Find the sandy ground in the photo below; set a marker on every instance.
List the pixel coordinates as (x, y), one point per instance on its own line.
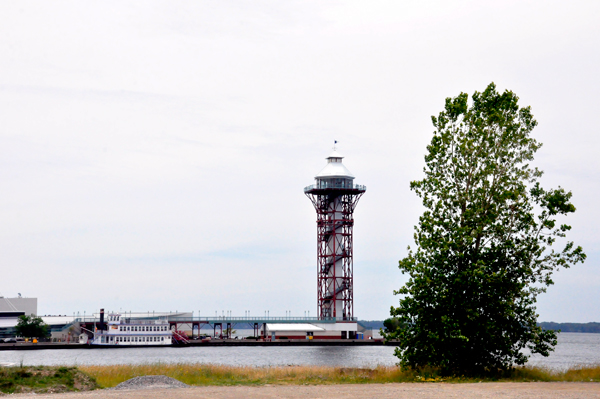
(396, 391)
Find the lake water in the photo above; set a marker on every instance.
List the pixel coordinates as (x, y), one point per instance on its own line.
(572, 349)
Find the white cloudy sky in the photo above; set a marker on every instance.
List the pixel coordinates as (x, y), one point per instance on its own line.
(153, 154)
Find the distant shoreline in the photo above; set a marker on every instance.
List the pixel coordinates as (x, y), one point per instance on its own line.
(592, 327)
(572, 327)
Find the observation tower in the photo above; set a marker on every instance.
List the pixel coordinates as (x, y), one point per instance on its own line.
(334, 196)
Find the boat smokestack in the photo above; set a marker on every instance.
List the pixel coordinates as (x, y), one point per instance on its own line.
(102, 319)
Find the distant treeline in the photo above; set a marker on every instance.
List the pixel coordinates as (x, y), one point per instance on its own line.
(571, 327)
(564, 327)
(374, 324)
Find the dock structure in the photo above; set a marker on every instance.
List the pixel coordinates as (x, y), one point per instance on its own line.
(262, 326)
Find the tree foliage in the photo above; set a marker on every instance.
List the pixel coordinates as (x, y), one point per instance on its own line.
(32, 327)
(392, 324)
(483, 244)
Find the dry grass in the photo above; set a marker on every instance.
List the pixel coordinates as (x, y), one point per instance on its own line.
(203, 374)
(582, 374)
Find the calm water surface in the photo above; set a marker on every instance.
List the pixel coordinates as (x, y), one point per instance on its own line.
(572, 349)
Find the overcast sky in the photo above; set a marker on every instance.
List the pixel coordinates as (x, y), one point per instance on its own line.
(153, 154)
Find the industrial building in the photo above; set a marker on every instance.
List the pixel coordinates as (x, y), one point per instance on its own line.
(11, 309)
(27, 306)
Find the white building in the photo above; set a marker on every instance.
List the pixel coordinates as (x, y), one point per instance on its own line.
(26, 305)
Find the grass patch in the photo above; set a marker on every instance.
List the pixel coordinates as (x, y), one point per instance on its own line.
(43, 379)
(206, 374)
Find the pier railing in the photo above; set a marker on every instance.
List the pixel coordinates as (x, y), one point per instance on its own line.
(263, 319)
(230, 319)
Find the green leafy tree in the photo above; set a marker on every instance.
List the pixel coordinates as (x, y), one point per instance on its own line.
(32, 327)
(391, 324)
(484, 242)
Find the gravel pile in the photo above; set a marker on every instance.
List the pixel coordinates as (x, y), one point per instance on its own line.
(151, 381)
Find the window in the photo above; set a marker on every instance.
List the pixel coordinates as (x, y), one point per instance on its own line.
(128, 328)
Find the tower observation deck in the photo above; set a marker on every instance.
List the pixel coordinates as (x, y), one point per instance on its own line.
(334, 196)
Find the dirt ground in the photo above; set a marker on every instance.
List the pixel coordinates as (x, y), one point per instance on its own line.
(396, 391)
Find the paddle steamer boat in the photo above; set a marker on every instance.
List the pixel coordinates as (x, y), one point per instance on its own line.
(122, 330)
